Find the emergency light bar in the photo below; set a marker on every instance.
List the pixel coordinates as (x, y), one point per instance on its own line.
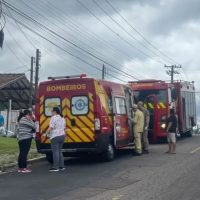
(147, 81)
(65, 77)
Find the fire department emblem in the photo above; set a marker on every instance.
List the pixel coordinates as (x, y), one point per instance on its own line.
(80, 104)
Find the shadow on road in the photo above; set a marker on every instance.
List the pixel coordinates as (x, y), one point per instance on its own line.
(97, 159)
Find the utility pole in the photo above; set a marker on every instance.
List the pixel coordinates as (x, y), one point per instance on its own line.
(172, 71)
(37, 64)
(103, 72)
(31, 83)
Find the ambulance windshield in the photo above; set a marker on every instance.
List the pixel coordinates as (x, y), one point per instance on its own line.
(143, 94)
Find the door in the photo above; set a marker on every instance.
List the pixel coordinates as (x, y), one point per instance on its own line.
(121, 131)
(151, 104)
(129, 105)
(79, 114)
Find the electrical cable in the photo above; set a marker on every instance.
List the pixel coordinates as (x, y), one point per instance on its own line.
(139, 33)
(122, 28)
(75, 56)
(117, 34)
(61, 37)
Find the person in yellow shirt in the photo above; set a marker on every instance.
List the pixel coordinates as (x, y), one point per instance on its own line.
(138, 128)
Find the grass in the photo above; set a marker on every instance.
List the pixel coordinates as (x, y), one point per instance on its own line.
(8, 145)
(9, 151)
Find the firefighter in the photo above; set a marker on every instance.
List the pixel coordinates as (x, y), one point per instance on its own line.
(138, 127)
(145, 141)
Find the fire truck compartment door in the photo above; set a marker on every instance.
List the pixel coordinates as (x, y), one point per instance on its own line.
(121, 135)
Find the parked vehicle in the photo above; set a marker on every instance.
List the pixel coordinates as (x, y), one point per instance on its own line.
(96, 113)
(158, 97)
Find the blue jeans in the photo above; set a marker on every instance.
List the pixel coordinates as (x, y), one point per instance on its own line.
(56, 147)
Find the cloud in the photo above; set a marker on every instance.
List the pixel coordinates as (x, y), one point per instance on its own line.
(171, 26)
(171, 14)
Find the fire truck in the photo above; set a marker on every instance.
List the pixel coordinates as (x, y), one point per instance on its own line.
(158, 97)
(97, 114)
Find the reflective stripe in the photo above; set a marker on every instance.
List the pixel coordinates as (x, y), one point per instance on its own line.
(162, 105)
(151, 105)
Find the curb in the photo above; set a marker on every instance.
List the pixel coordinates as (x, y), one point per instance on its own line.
(12, 165)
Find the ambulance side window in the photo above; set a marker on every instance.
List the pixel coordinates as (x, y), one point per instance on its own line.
(79, 105)
(120, 105)
(110, 104)
(49, 103)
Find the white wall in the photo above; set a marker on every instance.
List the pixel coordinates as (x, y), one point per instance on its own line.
(13, 119)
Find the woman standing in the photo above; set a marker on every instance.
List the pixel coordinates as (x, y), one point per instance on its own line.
(26, 128)
(57, 132)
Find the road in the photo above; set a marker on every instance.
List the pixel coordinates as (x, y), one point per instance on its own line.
(156, 176)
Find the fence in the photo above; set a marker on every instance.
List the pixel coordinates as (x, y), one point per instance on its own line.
(13, 119)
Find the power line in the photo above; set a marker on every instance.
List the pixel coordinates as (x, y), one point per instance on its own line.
(94, 50)
(13, 52)
(92, 35)
(61, 37)
(117, 34)
(75, 56)
(17, 43)
(34, 29)
(122, 28)
(139, 33)
(31, 43)
(15, 69)
(77, 26)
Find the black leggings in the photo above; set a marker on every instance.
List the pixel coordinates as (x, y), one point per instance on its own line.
(24, 147)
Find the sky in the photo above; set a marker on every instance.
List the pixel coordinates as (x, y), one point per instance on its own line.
(137, 37)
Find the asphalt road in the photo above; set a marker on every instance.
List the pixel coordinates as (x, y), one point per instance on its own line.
(154, 176)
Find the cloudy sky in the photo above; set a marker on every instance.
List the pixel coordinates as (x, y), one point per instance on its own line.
(137, 37)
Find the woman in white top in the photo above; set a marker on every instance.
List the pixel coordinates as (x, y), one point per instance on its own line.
(57, 131)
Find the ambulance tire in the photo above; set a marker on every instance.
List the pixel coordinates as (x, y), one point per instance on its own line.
(49, 157)
(109, 153)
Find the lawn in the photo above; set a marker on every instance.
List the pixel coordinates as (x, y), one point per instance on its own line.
(8, 145)
(9, 151)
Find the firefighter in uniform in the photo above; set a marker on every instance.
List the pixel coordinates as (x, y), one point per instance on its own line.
(145, 141)
(138, 127)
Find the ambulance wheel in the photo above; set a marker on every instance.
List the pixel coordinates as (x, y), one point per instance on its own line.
(109, 153)
(49, 157)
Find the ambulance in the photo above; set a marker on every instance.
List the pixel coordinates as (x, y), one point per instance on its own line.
(97, 114)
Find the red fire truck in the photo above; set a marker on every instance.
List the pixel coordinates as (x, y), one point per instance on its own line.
(96, 114)
(158, 97)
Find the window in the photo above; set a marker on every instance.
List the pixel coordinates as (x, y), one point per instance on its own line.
(143, 94)
(79, 105)
(49, 104)
(110, 105)
(120, 106)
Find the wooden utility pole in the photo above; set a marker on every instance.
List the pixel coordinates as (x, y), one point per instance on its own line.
(31, 82)
(172, 71)
(103, 72)
(37, 65)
